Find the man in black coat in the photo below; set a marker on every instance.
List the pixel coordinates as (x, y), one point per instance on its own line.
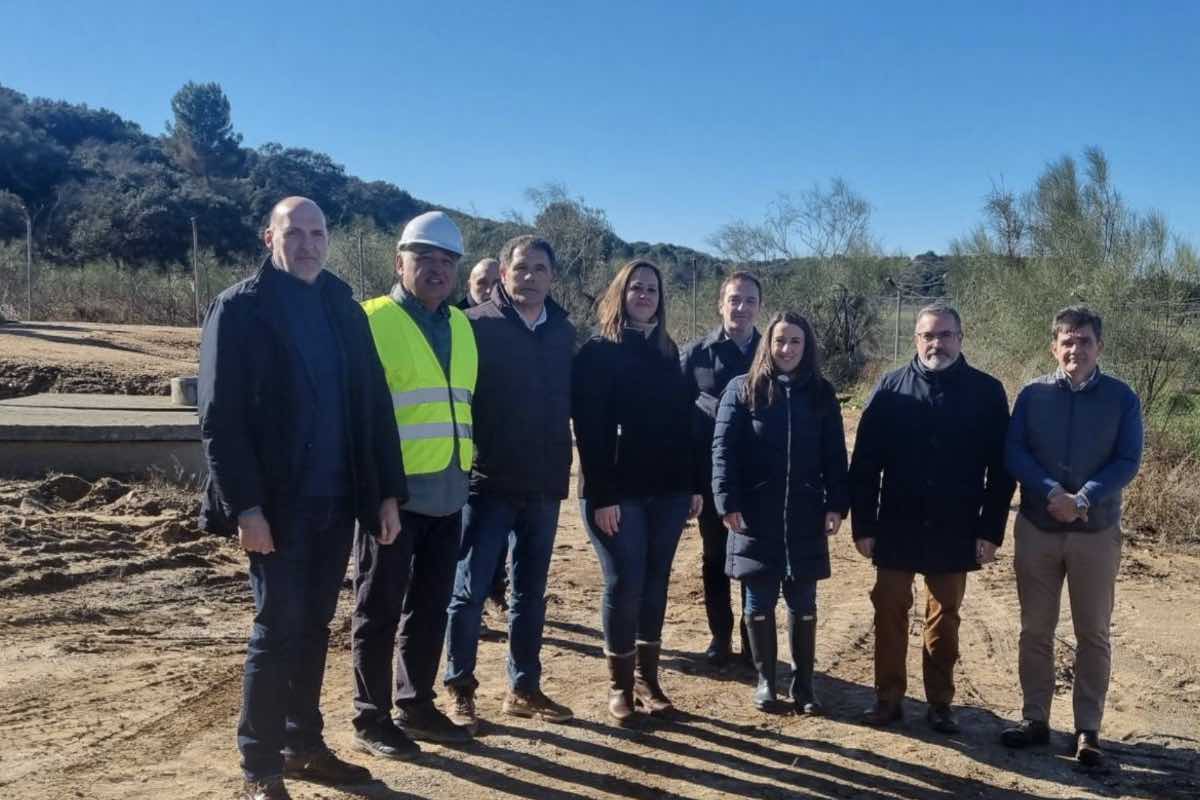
(929, 495)
(709, 364)
(296, 422)
(521, 417)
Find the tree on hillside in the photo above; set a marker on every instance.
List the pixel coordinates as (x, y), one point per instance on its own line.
(824, 223)
(201, 138)
(583, 243)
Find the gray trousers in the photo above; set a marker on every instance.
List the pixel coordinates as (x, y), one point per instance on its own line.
(1088, 562)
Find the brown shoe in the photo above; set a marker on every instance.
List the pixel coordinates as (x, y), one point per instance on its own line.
(535, 704)
(620, 689)
(272, 789)
(883, 714)
(462, 708)
(323, 766)
(941, 718)
(647, 692)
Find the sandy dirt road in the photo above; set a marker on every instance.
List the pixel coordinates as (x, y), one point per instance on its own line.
(123, 633)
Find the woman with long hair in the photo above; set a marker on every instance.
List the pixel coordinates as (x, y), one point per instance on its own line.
(638, 482)
(780, 485)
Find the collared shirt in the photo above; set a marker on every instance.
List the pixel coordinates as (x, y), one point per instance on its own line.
(1060, 375)
(746, 348)
(434, 324)
(533, 325)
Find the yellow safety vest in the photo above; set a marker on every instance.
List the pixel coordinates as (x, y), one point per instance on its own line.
(430, 412)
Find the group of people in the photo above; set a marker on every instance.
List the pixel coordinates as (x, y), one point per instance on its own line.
(432, 444)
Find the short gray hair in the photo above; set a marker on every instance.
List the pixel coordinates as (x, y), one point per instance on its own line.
(940, 310)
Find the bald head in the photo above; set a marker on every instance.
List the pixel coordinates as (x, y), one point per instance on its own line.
(484, 276)
(297, 238)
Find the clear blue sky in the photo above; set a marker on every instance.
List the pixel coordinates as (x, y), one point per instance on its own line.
(674, 117)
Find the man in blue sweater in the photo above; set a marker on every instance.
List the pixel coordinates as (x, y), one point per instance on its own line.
(1075, 441)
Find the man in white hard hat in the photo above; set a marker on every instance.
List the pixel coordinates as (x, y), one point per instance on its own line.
(484, 275)
(403, 589)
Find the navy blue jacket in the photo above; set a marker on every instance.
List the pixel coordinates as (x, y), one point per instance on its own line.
(783, 466)
(927, 478)
(1087, 441)
(522, 408)
(257, 410)
(709, 364)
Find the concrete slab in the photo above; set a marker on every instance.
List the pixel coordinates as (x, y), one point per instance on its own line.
(94, 435)
(96, 418)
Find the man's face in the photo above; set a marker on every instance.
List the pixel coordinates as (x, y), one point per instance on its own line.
(739, 307)
(483, 277)
(787, 346)
(527, 279)
(427, 273)
(298, 240)
(938, 340)
(1077, 351)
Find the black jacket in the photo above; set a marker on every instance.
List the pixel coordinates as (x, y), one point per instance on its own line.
(782, 466)
(937, 440)
(632, 422)
(522, 406)
(709, 364)
(255, 407)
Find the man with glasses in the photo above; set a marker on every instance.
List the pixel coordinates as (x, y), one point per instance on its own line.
(929, 495)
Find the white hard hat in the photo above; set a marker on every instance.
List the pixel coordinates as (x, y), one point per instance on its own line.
(432, 228)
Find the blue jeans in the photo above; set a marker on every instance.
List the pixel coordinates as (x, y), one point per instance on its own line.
(295, 594)
(636, 563)
(491, 525)
(763, 593)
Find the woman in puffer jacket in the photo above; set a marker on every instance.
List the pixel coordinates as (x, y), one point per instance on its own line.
(780, 485)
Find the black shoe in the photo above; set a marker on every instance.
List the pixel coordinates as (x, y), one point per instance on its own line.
(941, 718)
(323, 766)
(386, 741)
(883, 714)
(1026, 733)
(425, 722)
(1087, 749)
(272, 789)
(718, 652)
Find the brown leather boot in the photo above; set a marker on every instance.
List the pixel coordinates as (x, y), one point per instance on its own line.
(620, 690)
(647, 693)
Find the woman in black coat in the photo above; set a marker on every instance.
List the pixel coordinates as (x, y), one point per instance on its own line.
(779, 482)
(639, 484)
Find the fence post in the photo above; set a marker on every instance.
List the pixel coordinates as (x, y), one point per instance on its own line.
(896, 339)
(195, 272)
(28, 267)
(694, 295)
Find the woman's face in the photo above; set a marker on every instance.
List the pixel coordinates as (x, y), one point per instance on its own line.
(641, 295)
(787, 346)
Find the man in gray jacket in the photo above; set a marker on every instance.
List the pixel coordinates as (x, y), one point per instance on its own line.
(1075, 441)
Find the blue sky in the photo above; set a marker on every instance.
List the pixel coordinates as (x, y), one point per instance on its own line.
(673, 117)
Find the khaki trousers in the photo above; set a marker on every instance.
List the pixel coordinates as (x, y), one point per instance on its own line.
(1089, 562)
(892, 597)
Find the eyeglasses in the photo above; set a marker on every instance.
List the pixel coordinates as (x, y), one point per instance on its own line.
(941, 336)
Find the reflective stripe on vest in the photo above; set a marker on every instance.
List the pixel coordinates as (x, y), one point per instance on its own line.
(431, 413)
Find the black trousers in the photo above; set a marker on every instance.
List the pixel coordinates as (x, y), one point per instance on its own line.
(717, 600)
(401, 591)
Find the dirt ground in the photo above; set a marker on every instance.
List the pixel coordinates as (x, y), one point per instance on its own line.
(91, 357)
(124, 630)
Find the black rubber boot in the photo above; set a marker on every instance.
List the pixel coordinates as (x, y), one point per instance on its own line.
(802, 640)
(764, 649)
